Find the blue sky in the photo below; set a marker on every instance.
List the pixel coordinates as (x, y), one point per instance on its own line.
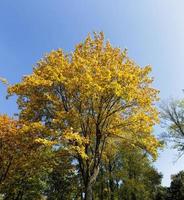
(152, 30)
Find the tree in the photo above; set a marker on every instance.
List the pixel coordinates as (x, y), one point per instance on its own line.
(63, 181)
(22, 159)
(161, 193)
(9, 146)
(129, 174)
(172, 114)
(139, 178)
(176, 190)
(87, 98)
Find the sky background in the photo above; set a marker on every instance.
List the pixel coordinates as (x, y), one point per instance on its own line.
(151, 30)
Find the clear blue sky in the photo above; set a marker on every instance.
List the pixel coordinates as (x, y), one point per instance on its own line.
(152, 30)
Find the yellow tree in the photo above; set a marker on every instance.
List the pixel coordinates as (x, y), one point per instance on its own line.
(88, 98)
(8, 145)
(20, 153)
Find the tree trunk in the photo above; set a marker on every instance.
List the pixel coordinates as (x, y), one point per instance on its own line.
(89, 183)
(111, 181)
(111, 185)
(102, 192)
(88, 192)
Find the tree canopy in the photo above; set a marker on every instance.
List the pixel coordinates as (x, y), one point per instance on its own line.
(83, 106)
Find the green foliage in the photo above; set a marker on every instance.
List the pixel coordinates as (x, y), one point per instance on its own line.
(128, 175)
(176, 191)
(161, 193)
(62, 182)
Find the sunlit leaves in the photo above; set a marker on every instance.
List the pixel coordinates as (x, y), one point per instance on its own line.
(87, 103)
(96, 84)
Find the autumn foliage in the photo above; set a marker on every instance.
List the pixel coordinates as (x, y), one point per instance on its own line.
(88, 103)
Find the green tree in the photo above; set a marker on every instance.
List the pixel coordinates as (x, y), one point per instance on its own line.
(176, 190)
(161, 193)
(128, 175)
(63, 181)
